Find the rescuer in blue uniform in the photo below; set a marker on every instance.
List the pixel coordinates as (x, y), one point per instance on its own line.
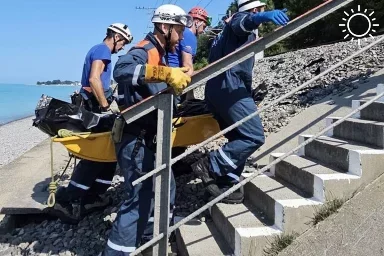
(91, 179)
(140, 73)
(186, 50)
(229, 98)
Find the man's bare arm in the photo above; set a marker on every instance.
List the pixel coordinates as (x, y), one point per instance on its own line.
(188, 62)
(96, 84)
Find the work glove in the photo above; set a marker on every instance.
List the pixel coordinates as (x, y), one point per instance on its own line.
(114, 108)
(276, 16)
(174, 77)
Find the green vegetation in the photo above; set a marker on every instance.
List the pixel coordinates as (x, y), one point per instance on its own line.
(57, 82)
(280, 243)
(327, 209)
(324, 31)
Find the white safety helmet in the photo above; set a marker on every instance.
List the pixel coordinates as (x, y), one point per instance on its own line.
(245, 5)
(123, 30)
(172, 14)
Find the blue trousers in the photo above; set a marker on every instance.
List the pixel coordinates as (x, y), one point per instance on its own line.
(229, 104)
(134, 221)
(90, 178)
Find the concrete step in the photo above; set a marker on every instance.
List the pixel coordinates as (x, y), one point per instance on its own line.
(197, 238)
(244, 228)
(364, 131)
(373, 112)
(319, 181)
(282, 203)
(345, 155)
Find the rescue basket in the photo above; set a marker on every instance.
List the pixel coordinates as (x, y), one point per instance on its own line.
(100, 147)
(87, 135)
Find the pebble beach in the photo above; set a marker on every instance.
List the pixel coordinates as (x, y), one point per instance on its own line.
(16, 138)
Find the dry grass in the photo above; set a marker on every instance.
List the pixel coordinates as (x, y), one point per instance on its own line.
(326, 210)
(279, 244)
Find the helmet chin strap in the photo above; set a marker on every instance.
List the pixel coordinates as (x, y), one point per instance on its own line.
(197, 28)
(114, 45)
(114, 50)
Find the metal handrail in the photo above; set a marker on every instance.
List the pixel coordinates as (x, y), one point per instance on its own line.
(219, 67)
(249, 50)
(265, 107)
(254, 175)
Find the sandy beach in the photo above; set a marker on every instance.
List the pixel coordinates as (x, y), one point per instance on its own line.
(18, 137)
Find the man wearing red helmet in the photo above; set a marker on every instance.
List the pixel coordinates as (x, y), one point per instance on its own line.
(187, 48)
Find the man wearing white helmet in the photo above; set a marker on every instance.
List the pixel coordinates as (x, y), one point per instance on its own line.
(97, 68)
(91, 179)
(222, 168)
(140, 73)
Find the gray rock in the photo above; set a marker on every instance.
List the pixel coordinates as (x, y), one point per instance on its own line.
(72, 243)
(80, 231)
(57, 241)
(16, 241)
(69, 233)
(35, 246)
(23, 246)
(53, 236)
(8, 251)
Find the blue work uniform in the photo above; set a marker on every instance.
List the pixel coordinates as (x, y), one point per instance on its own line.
(229, 98)
(188, 45)
(91, 178)
(136, 156)
(98, 52)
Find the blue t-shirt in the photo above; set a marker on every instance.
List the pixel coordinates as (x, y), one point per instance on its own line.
(98, 52)
(188, 45)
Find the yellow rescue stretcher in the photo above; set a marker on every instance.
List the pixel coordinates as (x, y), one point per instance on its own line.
(99, 147)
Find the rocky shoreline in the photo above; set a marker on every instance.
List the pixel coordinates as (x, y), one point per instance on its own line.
(276, 75)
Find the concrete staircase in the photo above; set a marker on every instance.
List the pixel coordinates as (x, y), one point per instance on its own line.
(285, 199)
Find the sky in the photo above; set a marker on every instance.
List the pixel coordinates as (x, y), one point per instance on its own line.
(44, 40)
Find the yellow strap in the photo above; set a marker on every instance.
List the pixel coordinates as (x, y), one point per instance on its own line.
(53, 184)
(64, 133)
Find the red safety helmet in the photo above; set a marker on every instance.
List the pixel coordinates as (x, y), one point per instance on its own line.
(201, 14)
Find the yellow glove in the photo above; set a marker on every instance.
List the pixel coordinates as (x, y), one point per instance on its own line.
(174, 77)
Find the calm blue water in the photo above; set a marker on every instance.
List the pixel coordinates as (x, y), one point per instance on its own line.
(19, 101)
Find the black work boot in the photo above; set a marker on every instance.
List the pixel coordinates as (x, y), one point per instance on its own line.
(236, 197)
(93, 203)
(202, 169)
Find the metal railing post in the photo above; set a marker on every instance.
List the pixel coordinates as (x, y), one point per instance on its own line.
(163, 178)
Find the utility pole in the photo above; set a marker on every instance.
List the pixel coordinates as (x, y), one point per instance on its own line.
(145, 8)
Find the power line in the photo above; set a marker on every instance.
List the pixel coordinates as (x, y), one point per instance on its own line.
(199, 2)
(208, 4)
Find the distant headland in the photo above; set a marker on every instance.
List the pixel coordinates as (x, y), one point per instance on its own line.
(59, 82)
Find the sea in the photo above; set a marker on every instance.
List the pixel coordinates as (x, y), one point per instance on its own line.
(18, 101)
